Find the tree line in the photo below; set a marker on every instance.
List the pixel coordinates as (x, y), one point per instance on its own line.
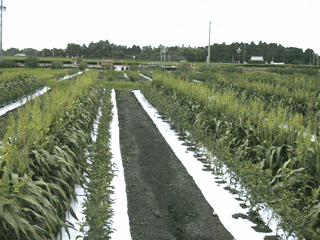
(218, 52)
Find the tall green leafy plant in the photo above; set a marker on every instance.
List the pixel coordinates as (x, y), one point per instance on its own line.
(42, 157)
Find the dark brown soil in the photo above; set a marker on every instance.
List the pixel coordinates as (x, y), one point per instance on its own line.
(163, 200)
(120, 77)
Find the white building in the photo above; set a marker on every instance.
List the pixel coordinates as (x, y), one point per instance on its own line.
(20, 55)
(256, 58)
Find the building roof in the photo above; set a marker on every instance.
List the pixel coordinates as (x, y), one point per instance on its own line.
(20, 55)
(256, 58)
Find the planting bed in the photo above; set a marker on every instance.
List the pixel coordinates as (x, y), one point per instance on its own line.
(163, 200)
(168, 194)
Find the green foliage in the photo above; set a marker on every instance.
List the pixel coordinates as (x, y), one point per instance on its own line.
(288, 71)
(256, 62)
(134, 76)
(298, 93)
(146, 72)
(271, 152)
(83, 65)
(57, 65)
(108, 67)
(308, 71)
(15, 87)
(232, 70)
(31, 62)
(134, 67)
(109, 75)
(185, 67)
(42, 158)
(100, 171)
(8, 64)
(220, 53)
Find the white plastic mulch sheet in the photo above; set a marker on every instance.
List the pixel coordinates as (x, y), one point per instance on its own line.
(223, 202)
(70, 76)
(120, 219)
(145, 76)
(78, 210)
(22, 101)
(120, 208)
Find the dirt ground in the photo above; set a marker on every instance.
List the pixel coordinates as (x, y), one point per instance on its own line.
(163, 200)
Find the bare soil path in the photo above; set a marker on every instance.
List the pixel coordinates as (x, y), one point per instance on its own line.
(163, 200)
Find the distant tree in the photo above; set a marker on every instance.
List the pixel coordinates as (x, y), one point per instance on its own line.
(293, 53)
(11, 52)
(84, 51)
(45, 53)
(30, 51)
(146, 53)
(136, 50)
(58, 52)
(308, 56)
(73, 50)
(189, 54)
(219, 52)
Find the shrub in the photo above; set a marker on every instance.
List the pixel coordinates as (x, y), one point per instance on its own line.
(204, 68)
(108, 67)
(57, 65)
(185, 67)
(308, 71)
(288, 71)
(8, 64)
(232, 70)
(31, 62)
(134, 67)
(83, 65)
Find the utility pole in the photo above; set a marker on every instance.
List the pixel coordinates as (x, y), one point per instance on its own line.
(244, 53)
(2, 8)
(313, 59)
(208, 60)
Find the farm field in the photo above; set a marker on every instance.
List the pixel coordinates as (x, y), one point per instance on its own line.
(261, 128)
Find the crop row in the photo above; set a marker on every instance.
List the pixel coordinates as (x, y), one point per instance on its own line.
(271, 151)
(300, 100)
(42, 158)
(299, 94)
(100, 171)
(38, 73)
(15, 87)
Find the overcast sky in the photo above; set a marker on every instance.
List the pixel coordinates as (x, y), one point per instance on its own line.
(46, 24)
